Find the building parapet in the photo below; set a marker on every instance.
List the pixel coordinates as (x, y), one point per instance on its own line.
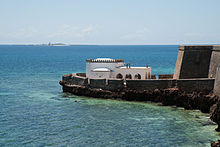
(197, 61)
(199, 47)
(105, 60)
(81, 74)
(167, 76)
(187, 85)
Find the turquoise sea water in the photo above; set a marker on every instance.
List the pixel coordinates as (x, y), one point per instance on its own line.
(35, 112)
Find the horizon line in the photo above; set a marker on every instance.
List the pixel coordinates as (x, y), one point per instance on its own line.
(70, 44)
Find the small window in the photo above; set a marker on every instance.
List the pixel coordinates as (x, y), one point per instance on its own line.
(128, 76)
(137, 76)
(119, 76)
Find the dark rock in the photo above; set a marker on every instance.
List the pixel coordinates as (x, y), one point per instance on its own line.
(197, 116)
(215, 114)
(215, 144)
(172, 97)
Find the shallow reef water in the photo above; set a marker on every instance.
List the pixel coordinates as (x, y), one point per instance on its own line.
(35, 112)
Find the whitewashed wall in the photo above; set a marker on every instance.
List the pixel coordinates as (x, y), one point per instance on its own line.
(114, 69)
(93, 65)
(144, 72)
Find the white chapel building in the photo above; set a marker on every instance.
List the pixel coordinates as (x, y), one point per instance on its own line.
(107, 68)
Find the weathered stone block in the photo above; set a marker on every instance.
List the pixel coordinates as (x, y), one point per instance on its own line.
(215, 61)
(150, 84)
(196, 85)
(114, 84)
(196, 61)
(73, 79)
(217, 83)
(97, 83)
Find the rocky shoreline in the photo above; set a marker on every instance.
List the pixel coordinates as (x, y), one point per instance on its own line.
(204, 101)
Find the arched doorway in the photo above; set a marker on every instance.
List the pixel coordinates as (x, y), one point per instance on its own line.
(128, 76)
(119, 76)
(137, 76)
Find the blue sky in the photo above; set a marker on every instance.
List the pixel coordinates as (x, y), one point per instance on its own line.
(110, 21)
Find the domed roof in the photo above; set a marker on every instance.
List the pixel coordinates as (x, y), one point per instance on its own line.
(104, 60)
(101, 70)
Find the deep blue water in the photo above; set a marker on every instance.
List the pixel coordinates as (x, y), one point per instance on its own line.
(35, 112)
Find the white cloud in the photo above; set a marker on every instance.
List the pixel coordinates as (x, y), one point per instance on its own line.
(24, 33)
(139, 34)
(64, 32)
(194, 34)
(72, 31)
(88, 30)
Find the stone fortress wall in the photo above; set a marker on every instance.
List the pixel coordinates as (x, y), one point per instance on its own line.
(199, 61)
(217, 83)
(188, 85)
(193, 62)
(196, 70)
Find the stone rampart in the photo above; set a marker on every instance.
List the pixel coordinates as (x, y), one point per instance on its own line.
(67, 77)
(215, 61)
(196, 85)
(167, 76)
(197, 61)
(97, 83)
(107, 84)
(114, 84)
(81, 74)
(217, 83)
(73, 79)
(186, 85)
(179, 62)
(150, 84)
(193, 62)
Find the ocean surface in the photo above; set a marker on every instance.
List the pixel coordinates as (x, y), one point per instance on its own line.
(35, 112)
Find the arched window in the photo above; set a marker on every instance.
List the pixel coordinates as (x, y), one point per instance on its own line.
(137, 76)
(119, 76)
(128, 76)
